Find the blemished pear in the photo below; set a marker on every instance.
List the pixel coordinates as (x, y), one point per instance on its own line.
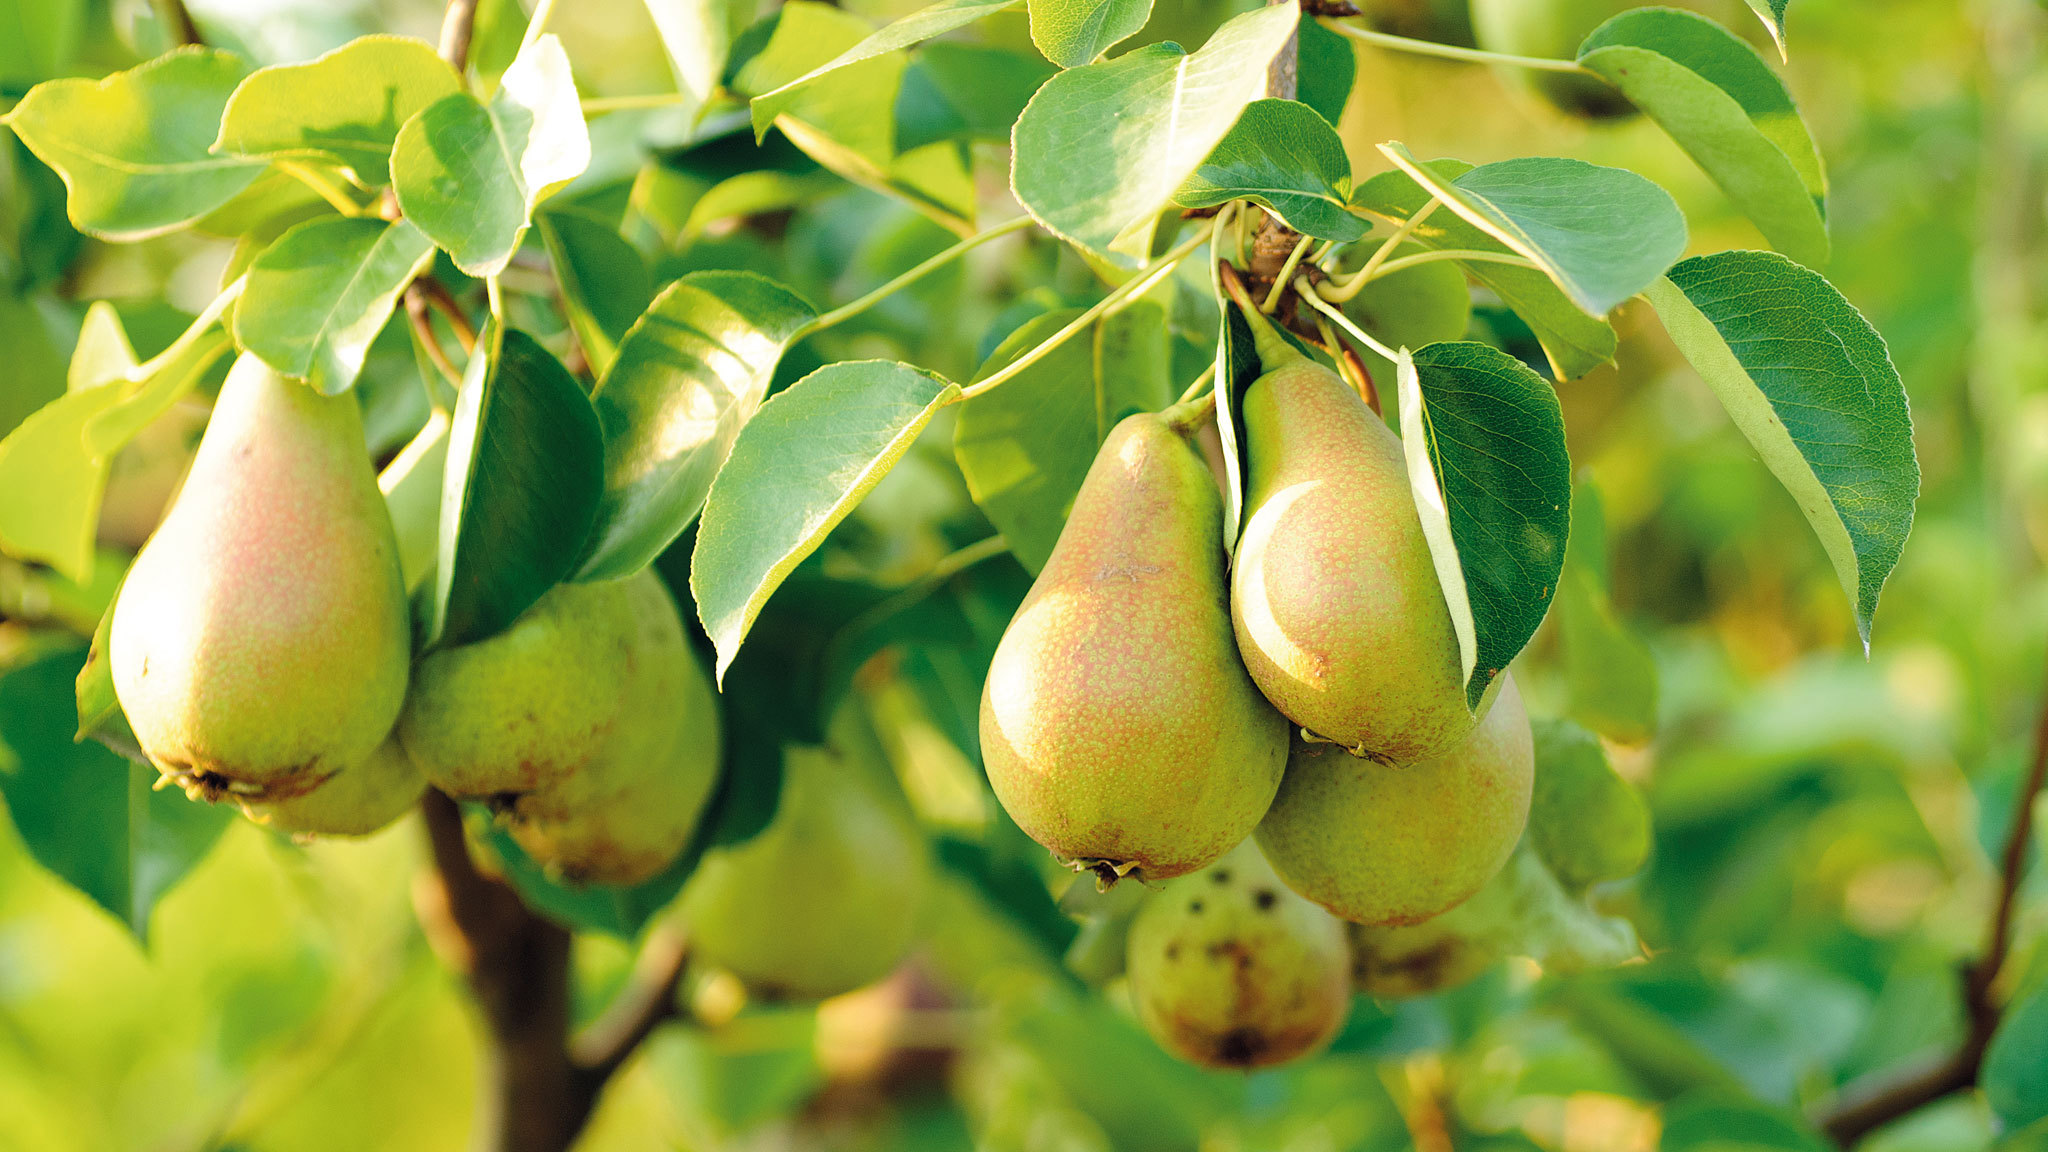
(261, 641)
(624, 815)
(356, 801)
(1385, 844)
(1229, 969)
(1118, 725)
(827, 897)
(1336, 604)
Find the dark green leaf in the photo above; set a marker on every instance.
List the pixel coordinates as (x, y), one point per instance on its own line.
(923, 24)
(2016, 1066)
(1284, 156)
(605, 282)
(1327, 69)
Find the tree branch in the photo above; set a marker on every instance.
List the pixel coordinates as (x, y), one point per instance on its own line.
(458, 25)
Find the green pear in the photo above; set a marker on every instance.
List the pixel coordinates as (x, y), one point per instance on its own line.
(1396, 844)
(827, 897)
(1118, 725)
(261, 640)
(1336, 603)
(1553, 29)
(355, 801)
(1229, 969)
(625, 814)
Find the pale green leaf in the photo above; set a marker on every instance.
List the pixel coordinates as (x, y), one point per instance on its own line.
(923, 24)
(345, 107)
(1074, 32)
(318, 296)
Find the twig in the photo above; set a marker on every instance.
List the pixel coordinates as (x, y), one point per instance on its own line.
(648, 1001)
(423, 327)
(444, 302)
(458, 25)
(178, 21)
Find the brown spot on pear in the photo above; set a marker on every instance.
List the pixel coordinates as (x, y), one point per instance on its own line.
(1118, 725)
(1229, 969)
(261, 641)
(1386, 844)
(355, 801)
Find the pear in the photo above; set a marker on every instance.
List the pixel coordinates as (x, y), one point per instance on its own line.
(355, 801)
(1553, 29)
(1118, 725)
(1229, 969)
(1334, 597)
(827, 897)
(1390, 844)
(625, 814)
(261, 640)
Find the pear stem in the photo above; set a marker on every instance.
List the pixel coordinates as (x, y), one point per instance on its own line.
(1184, 416)
(1451, 51)
(1202, 381)
(1308, 293)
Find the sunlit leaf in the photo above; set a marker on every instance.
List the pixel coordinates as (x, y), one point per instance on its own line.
(345, 107)
(319, 296)
(1074, 32)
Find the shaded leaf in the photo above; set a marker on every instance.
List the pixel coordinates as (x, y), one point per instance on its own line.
(604, 280)
(1283, 156)
(345, 107)
(1328, 67)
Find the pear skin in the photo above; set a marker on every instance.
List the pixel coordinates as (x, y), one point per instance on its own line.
(1335, 601)
(356, 801)
(1384, 844)
(261, 642)
(1118, 726)
(1229, 969)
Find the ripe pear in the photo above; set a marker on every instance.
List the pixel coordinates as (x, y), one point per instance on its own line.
(355, 801)
(827, 897)
(622, 816)
(1396, 844)
(1118, 725)
(1336, 603)
(1229, 969)
(261, 641)
(1553, 29)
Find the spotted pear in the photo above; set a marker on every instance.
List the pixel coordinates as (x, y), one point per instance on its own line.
(1230, 969)
(827, 897)
(261, 642)
(1388, 844)
(1333, 595)
(355, 801)
(1118, 725)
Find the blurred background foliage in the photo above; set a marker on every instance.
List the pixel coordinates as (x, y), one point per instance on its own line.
(1824, 826)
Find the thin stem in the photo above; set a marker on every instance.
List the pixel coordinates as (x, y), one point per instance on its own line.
(1226, 217)
(1451, 51)
(1272, 300)
(317, 180)
(1183, 417)
(458, 26)
(1344, 288)
(444, 302)
(178, 21)
(1308, 293)
(1132, 289)
(848, 311)
(538, 24)
(1475, 256)
(495, 292)
(599, 105)
(423, 329)
(193, 331)
(1201, 381)
(647, 1003)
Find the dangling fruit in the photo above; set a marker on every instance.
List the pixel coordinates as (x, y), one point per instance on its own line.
(827, 897)
(355, 801)
(1553, 29)
(1117, 723)
(1335, 600)
(1229, 969)
(261, 642)
(1396, 844)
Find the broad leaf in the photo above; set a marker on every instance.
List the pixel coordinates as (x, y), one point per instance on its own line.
(689, 375)
(411, 484)
(1772, 13)
(344, 108)
(971, 92)
(1484, 437)
(35, 368)
(2016, 1066)
(698, 34)
(923, 24)
(85, 813)
(1101, 149)
(1328, 66)
(135, 149)
(1575, 342)
(317, 297)
(1410, 307)
(604, 280)
(525, 471)
(1601, 234)
(1718, 99)
(469, 174)
(1074, 32)
(1609, 671)
(1284, 156)
(1809, 382)
(797, 469)
(1586, 822)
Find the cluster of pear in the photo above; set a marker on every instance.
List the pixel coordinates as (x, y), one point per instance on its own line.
(262, 651)
(1154, 702)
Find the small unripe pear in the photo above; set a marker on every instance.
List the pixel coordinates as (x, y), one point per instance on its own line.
(261, 642)
(1396, 844)
(1229, 969)
(355, 801)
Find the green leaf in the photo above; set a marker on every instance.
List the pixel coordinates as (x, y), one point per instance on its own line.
(1073, 32)
(1587, 823)
(525, 471)
(151, 390)
(1327, 69)
(38, 39)
(972, 92)
(344, 108)
(411, 484)
(1710, 1121)
(797, 470)
(99, 710)
(317, 297)
(469, 175)
(1283, 156)
(135, 148)
(1484, 437)
(1101, 149)
(35, 368)
(2016, 1065)
(923, 24)
(86, 814)
(1809, 382)
(689, 375)
(1575, 342)
(1601, 234)
(604, 280)
(1772, 13)
(1609, 672)
(1721, 103)
(698, 34)
(103, 354)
